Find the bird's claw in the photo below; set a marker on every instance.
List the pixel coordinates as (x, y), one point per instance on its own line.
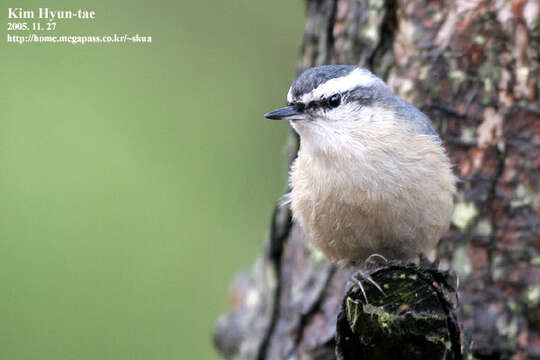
(372, 263)
(369, 279)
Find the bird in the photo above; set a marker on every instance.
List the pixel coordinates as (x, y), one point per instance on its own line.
(371, 176)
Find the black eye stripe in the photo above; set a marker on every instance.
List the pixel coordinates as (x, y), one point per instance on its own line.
(325, 103)
(297, 105)
(360, 96)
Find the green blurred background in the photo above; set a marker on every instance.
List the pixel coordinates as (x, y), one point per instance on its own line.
(137, 179)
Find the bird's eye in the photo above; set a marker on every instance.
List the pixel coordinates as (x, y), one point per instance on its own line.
(335, 100)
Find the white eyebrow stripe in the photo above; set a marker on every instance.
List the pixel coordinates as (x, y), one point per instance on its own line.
(289, 96)
(355, 78)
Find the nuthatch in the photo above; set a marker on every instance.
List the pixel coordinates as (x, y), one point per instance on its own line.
(371, 176)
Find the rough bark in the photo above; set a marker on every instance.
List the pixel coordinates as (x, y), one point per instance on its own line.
(473, 68)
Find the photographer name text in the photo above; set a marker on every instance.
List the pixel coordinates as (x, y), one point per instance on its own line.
(38, 25)
(50, 14)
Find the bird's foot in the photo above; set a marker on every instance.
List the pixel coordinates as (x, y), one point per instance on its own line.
(372, 262)
(357, 280)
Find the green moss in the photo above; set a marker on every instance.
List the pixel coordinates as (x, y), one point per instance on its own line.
(464, 215)
(370, 29)
(488, 71)
(467, 310)
(498, 269)
(523, 196)
(434, 90)
(410, 313)
(460, 261)
(479, 39)
(507, 327)
(443, 340)
(486, 99)
(515, 307)
(533, 295)
(483, 228)
(457, 76)
(384, 319)
(352, 307)
(488, 86)
(468, 135)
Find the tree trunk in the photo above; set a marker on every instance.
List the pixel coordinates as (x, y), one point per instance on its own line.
(473, 68)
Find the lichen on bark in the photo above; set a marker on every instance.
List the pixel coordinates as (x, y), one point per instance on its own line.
(413, 319)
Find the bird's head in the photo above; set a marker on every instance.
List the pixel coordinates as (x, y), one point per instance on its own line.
(332, 105)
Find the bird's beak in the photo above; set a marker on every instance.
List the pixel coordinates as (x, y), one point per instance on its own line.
(286, 113)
